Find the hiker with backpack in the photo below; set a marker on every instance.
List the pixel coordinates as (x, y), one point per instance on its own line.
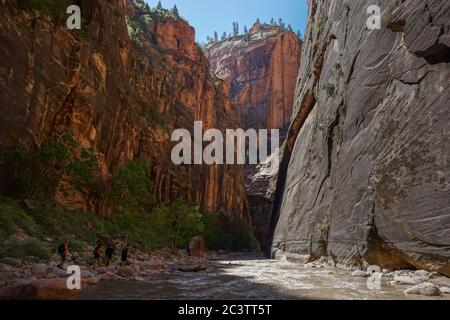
(63, 251)
(97, 254)
(124, 255)
(109, 253)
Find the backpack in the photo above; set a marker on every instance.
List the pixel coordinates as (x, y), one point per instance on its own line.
(97, 250)
(61, 248)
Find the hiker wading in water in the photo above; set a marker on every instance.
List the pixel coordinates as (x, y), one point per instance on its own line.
(63, 251)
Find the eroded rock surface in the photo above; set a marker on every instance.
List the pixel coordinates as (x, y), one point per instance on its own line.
(365, 177)
(261, 70)
(121, 85)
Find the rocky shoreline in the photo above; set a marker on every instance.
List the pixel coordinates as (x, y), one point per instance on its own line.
(42, 281)
(416, 282)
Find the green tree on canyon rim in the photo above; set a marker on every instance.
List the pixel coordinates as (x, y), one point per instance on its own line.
(175, 11)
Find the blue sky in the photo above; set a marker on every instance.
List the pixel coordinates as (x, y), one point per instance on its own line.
(208, 16)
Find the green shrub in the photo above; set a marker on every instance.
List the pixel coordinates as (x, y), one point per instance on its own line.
(179, 221)
(13, 218)
(37, 172)
(30, 248)
(130, 189)
(53, 8)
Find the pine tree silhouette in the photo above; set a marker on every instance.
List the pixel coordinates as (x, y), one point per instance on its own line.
(159, 6)
(235, 29)
(175, 11)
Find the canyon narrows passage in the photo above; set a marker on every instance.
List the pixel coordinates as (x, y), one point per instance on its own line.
(364, 177)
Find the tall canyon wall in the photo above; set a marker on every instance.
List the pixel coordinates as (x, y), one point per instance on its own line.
(121, 85)
(365, 176)
(261, 69)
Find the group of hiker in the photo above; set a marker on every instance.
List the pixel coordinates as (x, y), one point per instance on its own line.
(63, 251)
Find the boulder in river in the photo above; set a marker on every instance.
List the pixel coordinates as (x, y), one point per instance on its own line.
(445, 290)
(193, 268)
(154, 264)
(425, 289)
(126, 272)
(360, 274)
(408, 280)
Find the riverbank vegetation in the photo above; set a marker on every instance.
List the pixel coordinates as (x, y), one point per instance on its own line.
(32, 224)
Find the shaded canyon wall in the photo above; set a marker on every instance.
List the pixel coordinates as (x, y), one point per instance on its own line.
(365, 176)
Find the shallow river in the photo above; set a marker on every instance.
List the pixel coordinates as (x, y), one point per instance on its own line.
(249, 277)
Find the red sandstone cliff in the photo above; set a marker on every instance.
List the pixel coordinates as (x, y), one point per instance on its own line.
(121, 84)
(261, 69)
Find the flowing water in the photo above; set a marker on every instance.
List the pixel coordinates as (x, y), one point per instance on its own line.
(250, 277)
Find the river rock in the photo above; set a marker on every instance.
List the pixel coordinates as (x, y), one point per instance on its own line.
(100, 270)
(279, 254)
(197, 247)
(90, 281)
(408, 280)
(193, 268)
(445, 290)
(297, 258)
(426, 289)
(40, 270)
(441, 281)
(110, 276)
(54, 289)
(11, 262)
(360, 274)
(86, 274)
(7, 276)
(126, 272)
(59, 273)
(139, 279)
(422, 274)
(153, 264)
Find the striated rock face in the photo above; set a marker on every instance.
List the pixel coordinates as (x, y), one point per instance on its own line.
(121, 84)
(261, 69)
(365, 177)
